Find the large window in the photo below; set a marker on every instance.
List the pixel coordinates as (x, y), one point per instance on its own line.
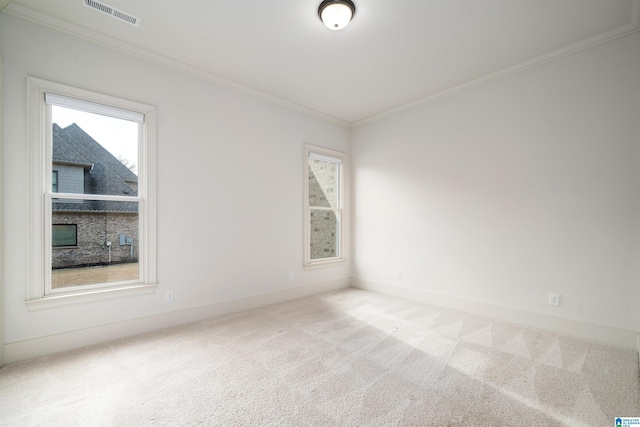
(93, 172)
(324, 207)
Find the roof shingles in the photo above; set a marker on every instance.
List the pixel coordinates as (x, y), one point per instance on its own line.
(103, 173)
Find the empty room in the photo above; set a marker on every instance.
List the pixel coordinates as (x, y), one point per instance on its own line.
(319, 213)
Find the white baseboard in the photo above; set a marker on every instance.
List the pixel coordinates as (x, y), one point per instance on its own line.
(30, 349)
(591, 331)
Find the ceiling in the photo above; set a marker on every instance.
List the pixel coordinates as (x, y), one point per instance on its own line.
(393, 53)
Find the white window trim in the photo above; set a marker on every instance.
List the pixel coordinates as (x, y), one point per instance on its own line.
(38, 250)
(343, 242)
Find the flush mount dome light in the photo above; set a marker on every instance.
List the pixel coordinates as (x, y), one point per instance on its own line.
(336, 14)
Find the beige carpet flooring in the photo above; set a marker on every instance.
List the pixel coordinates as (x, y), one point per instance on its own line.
(344, 358)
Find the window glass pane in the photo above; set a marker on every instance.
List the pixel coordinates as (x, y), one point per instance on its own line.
(94, 154)
(54, 181)
(323, 183)
(107, 243)
(324, 234)
(64, 235)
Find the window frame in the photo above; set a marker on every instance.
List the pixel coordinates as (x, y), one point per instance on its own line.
(343, 219)
(39, 293)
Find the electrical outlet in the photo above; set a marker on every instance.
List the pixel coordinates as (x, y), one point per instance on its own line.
(398, 275)
(554, 299)
(291, 277)
(168, 296)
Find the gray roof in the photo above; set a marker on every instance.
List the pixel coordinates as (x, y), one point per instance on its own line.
(103, 173)
(63, 151)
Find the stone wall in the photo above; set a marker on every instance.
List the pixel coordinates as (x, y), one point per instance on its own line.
(94, 230)
(324, 234)
(323, 192)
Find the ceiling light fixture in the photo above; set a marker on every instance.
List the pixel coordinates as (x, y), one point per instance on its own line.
(336, 14)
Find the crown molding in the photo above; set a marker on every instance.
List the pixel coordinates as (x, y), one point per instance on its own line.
(92, 36)
(608, 36)
(95, 37)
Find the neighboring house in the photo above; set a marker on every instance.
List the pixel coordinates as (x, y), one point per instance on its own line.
(324, 224)
(82, 229)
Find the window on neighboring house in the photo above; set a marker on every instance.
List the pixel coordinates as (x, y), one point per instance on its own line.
(97, 233)
(54, 181)
(64, 235)
(324, 207)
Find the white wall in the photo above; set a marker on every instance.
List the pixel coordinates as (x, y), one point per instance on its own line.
(230, 173)
(511, 190)
(1, 217)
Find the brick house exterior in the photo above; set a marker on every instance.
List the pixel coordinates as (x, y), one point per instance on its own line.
(80, 165)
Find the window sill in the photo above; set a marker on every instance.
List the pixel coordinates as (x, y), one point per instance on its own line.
(325, 264)
(89, 296)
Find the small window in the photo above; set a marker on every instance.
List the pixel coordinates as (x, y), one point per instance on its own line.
(54, 181)
(64, 235)
(324, 207)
